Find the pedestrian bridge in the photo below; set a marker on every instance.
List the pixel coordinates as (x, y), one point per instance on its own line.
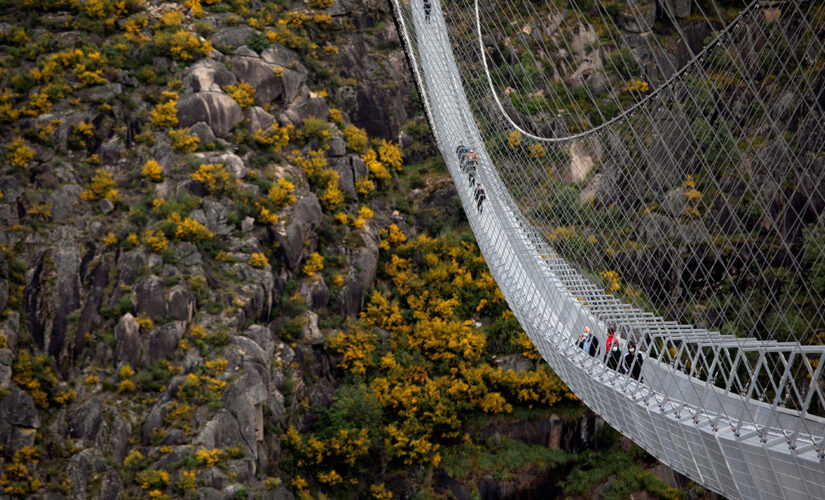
(661, 173)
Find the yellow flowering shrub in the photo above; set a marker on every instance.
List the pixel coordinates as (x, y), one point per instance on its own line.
(341, 217)
(313, 264)
(102, 186)
(195, 390)
(133, 459)
(153, 171)
(126, 385)
(514, 139)
(275, 138)
(376, 168)
(144, 322)
(7, 111)
(125, 371)
(390, 155)
(314, 165)
(611, 279)
(133, 29)
(171, 19)
(266, 216)
(280, 194)
(38, 104)
(331, 478)
(197, 331)
(332, 197)
(16, 479)
(364, 187)
(208, 457)
(391, 237)
(182, 141)
(562, 233)
(636, 86)
(356, 349)
(182, 45)
(195, 7)
(155, 240)
(336, 116)
(258, 260)
(18, 153)
(380, 492)
(537, 150)
(320, 4)
(151, 479)
(43, 210)
(215, 367)
(314, 128)
(217, 178)
(691, 212)
(427, 370)
(356, 138)
(242, 92)
(385, 315)
(187, 481)
(189, 229)
(165, 114)
(365, 212)
(693, 196)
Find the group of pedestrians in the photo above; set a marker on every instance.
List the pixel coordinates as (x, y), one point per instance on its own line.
(468, 160)
(629, 363)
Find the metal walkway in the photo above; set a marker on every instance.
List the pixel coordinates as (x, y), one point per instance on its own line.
(700, 417)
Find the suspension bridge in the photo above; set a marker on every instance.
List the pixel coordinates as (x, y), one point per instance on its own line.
(655, 168)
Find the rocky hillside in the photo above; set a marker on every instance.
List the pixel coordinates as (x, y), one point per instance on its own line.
(232, 268)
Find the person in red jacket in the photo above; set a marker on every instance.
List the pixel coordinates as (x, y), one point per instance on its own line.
(611, 337)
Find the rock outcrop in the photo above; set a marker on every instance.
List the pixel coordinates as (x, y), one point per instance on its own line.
(219, 111)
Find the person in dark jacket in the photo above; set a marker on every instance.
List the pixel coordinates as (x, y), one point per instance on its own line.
(480, 196)
(632, 362)
(427, 7)
(470, 169)
(613, 356)
(589, 343)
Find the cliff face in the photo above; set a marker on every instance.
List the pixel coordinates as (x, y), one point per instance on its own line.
(170, 179)
(198, 200)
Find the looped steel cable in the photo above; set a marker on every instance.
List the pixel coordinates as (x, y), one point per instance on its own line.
(698, 57)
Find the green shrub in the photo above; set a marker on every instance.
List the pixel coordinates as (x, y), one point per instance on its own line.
(258, 42)
(624, 62)
(154, 378)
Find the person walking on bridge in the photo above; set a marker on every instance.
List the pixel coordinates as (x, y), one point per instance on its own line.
(632, 362)
(611, 336)
(589, 343)
(427, 7)
(480, 196)
(613, 356)
(470, 169)
(467, 155)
